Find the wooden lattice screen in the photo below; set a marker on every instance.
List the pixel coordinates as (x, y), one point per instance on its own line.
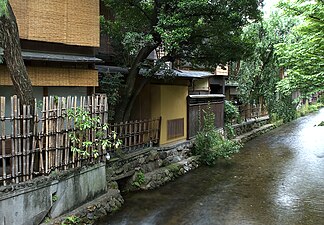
(175, 128)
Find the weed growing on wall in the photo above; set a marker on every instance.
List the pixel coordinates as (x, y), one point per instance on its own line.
(210, 145)
(71, 220)
(139, 179)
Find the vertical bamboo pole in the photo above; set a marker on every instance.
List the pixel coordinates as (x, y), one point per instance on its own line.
(19, 142)
(14, 145)
(140, 134)
(34, 144)
(28, 144)
(57, 133)
(135, 134)
(46, 118)
(93, 130)
(68, 129)
(24, 135)
(3, 138)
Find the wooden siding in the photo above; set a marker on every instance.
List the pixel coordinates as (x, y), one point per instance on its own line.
(175, 128)
(48, 76)
(72, 22)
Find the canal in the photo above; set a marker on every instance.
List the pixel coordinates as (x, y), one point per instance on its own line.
(276, 179)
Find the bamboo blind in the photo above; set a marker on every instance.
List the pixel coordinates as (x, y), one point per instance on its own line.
(73, 22)
(50, 76)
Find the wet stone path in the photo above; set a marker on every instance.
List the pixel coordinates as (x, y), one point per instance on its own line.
(277, 179)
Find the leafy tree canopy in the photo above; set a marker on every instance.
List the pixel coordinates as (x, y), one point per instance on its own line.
(3, 11)
(303, 55)
(202, 32)
(3, 7)
(260, 72)
(206, 32)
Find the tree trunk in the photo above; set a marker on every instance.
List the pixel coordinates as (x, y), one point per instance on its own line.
(124, 108)
(10, 42)
(132, 100)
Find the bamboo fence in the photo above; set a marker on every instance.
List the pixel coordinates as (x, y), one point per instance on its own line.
(39, 143)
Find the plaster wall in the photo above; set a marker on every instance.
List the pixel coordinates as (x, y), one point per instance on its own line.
(169, 102)
(35, 200)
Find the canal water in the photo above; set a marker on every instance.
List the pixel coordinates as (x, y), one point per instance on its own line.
(276, 179)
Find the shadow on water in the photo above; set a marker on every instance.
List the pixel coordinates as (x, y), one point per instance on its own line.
(277, 179)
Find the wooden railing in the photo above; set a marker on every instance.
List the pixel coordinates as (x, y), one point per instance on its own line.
(39, 143)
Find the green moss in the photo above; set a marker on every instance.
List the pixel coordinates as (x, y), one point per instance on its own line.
(173, 168)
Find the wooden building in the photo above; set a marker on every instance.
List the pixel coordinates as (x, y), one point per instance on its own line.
(59, 39)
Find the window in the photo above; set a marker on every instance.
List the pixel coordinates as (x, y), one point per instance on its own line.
(175, 128)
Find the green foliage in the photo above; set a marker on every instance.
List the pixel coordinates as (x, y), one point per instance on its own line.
(321, 123)
(54, 198)
(306, 109)
(203, 31)
(110, 84)
(231, 112)
(303, 54)
(259, 73)
(321, 99)
(83, 124)
(139, 179)
(284, 108)
(3, 11)
(232, 115)
(210, 145)
(3, 7)
(229, 131)
(47, 220)
(71, 220)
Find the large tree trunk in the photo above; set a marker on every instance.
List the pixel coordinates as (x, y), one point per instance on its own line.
(129, 94)
(10, 42)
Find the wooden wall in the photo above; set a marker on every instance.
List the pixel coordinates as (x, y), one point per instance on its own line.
(72, 22)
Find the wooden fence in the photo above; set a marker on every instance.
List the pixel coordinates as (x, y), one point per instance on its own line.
(39, 143)
(248, 112)
(196, 115)
(137, 134)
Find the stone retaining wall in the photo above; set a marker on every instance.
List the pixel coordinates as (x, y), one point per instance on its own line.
(166, 174)
(147, 160)
(92, 211)
(250, 125)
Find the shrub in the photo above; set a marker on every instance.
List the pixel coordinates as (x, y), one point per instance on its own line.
(84, 123)
(231, 112)
(210, 145)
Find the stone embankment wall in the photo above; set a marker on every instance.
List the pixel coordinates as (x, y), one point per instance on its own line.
(250, 125)
(247, 130)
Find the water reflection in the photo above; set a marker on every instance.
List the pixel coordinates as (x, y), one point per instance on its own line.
(300, 185)
(277, 179)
